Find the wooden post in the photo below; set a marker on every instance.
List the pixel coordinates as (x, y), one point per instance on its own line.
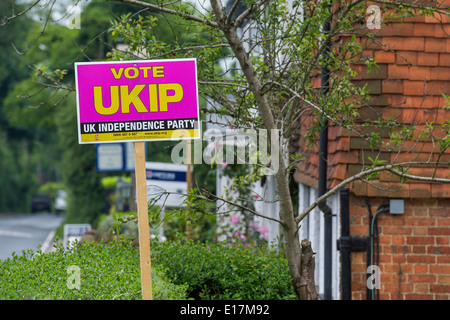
(188, 158)
(142, 209)
(189, 183)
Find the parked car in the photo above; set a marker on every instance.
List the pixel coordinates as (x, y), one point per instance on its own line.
(60, 201)
(40, 202)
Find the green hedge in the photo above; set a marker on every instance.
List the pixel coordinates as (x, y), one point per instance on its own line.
(111, 271)
(107, 271)
(220, 271)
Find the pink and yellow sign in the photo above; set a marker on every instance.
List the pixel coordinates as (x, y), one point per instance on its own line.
(137, 100)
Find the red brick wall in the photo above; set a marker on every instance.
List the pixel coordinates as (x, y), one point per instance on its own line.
(414, 247)
(415, 244)
(413, 72)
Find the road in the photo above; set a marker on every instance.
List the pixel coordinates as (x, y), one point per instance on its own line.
(26, 231)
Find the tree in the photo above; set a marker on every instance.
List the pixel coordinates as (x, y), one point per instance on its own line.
(15, 172)
(276, 49)
(38, 106)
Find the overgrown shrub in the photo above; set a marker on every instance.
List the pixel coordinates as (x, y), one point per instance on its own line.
(220, 271)
(107, 271)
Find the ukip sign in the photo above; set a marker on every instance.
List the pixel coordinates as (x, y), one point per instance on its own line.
(137, 100)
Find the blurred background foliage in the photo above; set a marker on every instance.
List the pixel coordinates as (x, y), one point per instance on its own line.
(38, 133)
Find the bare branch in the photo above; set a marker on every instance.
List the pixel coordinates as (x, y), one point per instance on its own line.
(248, 12)
(161, 8)
(233, 9)
(47, 20)
(223, 83)
(243, 207)
(215, 198)
(8, 19)
(361, 175)
(418, 178)
(409, 4)
(212, 46)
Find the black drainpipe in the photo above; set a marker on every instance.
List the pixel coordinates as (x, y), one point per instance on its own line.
(373, 227)
(323, 159)
(345, 246)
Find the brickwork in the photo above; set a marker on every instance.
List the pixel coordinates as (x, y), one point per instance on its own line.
(413, 73)
(414, 252)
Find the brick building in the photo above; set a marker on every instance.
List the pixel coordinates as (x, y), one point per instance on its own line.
(413, 251)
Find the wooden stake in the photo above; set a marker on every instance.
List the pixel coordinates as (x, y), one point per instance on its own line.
(189, 182)
(189, 156)
(142, 209)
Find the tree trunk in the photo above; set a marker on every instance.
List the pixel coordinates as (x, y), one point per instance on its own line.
(290, 228)
(306, 287)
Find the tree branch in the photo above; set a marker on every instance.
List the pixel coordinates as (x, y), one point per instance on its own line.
(245, 208)
(209, 194)
(233, 9)
(247, 12)
(47, 19)
(160, 8)
(418, 178)
(409, 4)
(212, 46)
(362, 174)
(223, 83)
(15, 15)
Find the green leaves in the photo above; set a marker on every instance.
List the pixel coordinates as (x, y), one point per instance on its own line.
(447, 101)
(107, 271)
(376, 161)
(221, 271)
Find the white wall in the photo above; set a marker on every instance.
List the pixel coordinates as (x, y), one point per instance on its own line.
(312, 228)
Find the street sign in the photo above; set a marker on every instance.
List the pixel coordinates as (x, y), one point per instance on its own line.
(110, 157)
(129, 156)
(166, 177)
(137, 100)
(75, 231)
(115, 156)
